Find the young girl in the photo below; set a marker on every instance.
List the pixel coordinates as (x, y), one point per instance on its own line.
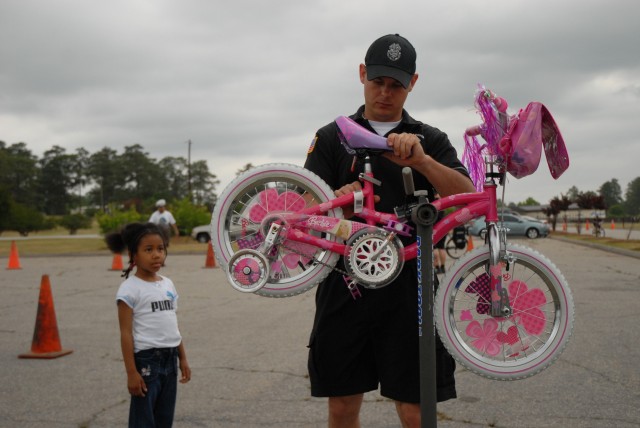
(150, 339)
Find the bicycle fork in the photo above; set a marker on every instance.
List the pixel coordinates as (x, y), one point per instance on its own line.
(500, 305)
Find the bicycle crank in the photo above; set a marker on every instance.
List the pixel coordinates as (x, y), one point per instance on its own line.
(375, 258)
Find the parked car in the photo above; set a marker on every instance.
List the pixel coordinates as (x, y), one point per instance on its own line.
(515, 225)
(202, 233)
(526, 217)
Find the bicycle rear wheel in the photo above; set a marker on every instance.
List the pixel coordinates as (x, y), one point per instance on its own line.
(263, 191)
(452, 249)
(509, 348)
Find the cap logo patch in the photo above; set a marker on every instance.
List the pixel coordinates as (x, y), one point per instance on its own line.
(394, 52)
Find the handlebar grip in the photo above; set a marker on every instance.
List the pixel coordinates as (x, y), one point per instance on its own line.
(474, 130)
(407, 177)
(501, 104)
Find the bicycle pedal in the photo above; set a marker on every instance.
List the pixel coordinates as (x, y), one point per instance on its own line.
(352, 286)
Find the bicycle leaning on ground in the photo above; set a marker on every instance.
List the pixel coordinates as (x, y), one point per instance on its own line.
(504, 311)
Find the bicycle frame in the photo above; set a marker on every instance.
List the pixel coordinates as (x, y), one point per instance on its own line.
(470, 206)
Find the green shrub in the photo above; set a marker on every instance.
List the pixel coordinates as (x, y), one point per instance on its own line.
(188, 215)
(73, 222)
(616, 211)
(115, 219)
(24, 219)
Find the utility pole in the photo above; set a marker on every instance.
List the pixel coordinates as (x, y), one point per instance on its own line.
(189, 171)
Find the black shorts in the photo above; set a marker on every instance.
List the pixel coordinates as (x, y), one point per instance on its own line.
(440, 243)
(357, 346)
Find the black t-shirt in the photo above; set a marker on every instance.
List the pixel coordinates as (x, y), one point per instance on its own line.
(328, 158)
(391, 309)
(333, 164)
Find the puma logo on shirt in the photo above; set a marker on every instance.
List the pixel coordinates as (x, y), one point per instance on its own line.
(163, 305)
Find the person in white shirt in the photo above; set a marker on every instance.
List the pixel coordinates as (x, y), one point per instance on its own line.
(152, 346)
(161, 216)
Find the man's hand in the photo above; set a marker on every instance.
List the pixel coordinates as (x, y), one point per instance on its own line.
(347, 211)
(407, 150)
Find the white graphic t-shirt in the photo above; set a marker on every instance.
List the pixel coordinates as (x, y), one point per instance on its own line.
(154, 305)
(162, 218)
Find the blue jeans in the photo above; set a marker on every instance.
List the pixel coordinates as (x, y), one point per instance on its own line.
(159, 369)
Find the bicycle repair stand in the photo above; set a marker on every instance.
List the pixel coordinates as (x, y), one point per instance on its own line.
(424, 215)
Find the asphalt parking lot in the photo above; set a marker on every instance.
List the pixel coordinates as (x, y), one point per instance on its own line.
(248, 353)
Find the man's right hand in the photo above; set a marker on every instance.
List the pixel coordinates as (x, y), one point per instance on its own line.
(347, 211)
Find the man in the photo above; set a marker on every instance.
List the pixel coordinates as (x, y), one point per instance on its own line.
(360, 344)
(163, 217)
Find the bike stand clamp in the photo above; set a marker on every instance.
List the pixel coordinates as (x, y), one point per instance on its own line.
(424, 216)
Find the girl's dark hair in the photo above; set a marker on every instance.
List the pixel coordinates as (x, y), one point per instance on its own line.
(129, 238)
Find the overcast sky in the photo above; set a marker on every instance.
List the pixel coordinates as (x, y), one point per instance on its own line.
(251, 81)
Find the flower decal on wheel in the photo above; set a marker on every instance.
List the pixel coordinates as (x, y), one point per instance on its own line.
(525, 303)
(269, 202)
(485, 336)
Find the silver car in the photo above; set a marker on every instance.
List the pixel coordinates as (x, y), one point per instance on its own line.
(202, 233)
(515, 225)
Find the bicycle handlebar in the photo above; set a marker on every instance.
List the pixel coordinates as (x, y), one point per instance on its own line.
(473, 130)
(499, 103)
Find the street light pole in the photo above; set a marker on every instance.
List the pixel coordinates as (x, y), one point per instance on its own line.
(189, 171)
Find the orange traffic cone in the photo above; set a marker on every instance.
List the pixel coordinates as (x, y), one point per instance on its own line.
(613, 224)
(116, 264)
(46, 341)
(14, 260)
(211, 260)
(470, 243)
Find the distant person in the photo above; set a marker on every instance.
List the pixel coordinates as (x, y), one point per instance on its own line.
(162, 217)
(597, 225)
(151, 343)
(597, 221)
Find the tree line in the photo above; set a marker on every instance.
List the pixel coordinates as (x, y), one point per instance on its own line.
(64, 184)
(608, 198)
(67, 186)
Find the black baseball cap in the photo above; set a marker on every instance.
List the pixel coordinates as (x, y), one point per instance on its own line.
(391, 56)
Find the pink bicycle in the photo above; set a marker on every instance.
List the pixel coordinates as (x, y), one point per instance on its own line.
(504, 311)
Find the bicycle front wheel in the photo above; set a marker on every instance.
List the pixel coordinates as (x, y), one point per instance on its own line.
(452, 249)
(259, 194)
(505, 348)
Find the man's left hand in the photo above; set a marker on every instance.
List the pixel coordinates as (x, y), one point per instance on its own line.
(407, 150)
